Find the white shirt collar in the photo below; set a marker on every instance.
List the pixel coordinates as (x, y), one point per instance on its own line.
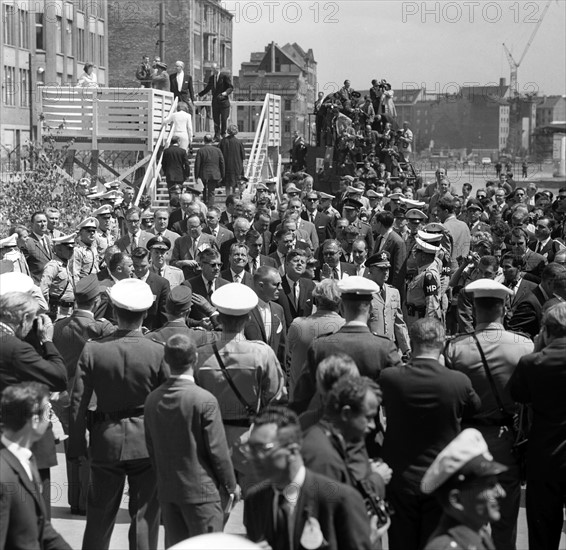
(189, 377)
(21, 453)
(292, 490)
(545, 242)
(144, 278)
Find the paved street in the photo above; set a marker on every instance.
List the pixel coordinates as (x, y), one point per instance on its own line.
(72, 527)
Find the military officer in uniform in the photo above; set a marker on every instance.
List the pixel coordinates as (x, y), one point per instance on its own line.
(158, 249)
(463, 477)
(424, 291)
(85, 258)
(56, 282)
(488, 357)
(415, 219)
(245, 376)
(350, 211)
(386, 317)
(104, 237)
(122, 370)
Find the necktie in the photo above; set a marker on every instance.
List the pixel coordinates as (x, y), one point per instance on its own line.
(45, 244)
(237, 279)
(539, 247)
(254, 265)
(134, 241)
(282, 528)
(335, 273)
(210, 289)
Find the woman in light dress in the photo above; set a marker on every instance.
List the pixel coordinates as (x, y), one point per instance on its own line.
(182, 125)
(88, 78)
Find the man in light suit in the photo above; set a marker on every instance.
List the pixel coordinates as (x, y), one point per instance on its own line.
(188, 449)
(209, 168)
(37, 251)
(238, 261)
(267, 319)
(160, 224)
(181, 85)
(24, 522)
(220, 86)
(389, 241)
(272, 515)
(386, 316)
(135, 236)
(296, 295)
(459, 230)
(186, 248)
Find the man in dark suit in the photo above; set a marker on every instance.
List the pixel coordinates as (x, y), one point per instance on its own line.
(238, 261)
(220, 86)
(188, 449)
(122, 370)
(37, 249)
(24, 521)
(209, 167)
(175, 163)
(534, 263)
(540, 381)
(371, 353)
(296, 295)
(160, 287)
(323, 223)
(283, 520)
(234, 155)
(255, 244)
(513, 277)
(181, 85)
(241, 227)
(527, 316)
(390, 241)
(267, 319)
(543, 243)
(285, 240)
(220, 233)
(333, 268)
(135, 236)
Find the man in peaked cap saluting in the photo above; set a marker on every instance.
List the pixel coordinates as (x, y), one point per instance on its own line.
(122, 369)
(489, 357)
(463, 477)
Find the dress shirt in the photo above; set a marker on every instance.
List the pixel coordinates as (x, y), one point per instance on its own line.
(135, 240)
(541, 244)
(515, 287)
(180, 77)
(265, 312)
(189, 377)
(144, 278)
(237, 277)
(295, 287)
(360, 269)
(21, 453)
(290, 492)
(384, 238)
(210, 287)
(254, 264)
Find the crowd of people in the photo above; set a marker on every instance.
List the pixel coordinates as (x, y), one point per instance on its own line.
(348, 364)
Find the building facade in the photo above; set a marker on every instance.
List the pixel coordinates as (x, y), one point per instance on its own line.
(551, 109)
(197, 32)
(44, 42)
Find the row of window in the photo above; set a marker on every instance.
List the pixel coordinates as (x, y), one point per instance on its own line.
(15, 26)
(15, 89)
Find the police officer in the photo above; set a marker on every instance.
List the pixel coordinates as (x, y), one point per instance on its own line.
(488, 357)
(85, 258)
(121, 369)
(56, 282)
(104, 236)
(424, 291)
(350, 211)
(245, 376)
(463, 477)
(415, 218)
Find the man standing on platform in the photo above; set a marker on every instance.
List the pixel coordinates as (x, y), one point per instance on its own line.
(209, 167)
(220, 85)
(234, 155)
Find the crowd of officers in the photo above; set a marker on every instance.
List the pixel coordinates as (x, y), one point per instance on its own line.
(276, 346)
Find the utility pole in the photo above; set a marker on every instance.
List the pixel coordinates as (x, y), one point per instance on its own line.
(162, 30)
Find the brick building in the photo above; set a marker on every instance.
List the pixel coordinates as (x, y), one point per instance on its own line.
(551, 109)
(287, 71)
(44, 42)
(197, 32)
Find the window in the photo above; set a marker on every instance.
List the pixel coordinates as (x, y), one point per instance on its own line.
(69, 37)
(24, 87)
(59, 79)
(100, 38)
(91, 46)
(287, 106)
(8, 16)
(80, 44)
(39, 41)
(9, 87)
(287, 127)
(23, 34)
(59, 35)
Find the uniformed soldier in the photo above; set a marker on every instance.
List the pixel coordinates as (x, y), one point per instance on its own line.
(104, 237)
(488, 357)
(351, 211)
(326, 207)
(424, 291)
(85, 258)
(245, 376)
(56, 282)
(122, 370)
(415, 219)
(463, 477)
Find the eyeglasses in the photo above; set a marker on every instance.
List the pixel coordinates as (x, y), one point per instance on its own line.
(260, 451)
(312, 200)
(213, 264)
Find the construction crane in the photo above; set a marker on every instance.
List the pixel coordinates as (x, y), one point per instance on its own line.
(514, 64)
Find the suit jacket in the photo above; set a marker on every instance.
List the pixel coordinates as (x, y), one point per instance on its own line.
(187, 444)
(255, 330)
(371, 353)
(160, 288)
(523, 292)
(310, 230)
(209, 163)
(222, 236)
(291, 308)
(386, 318)
(395, 245)
(23, 518)
(182, 250)
(122, 370)
(186, 93)
(548, 251)
(534, 264)
(262, 261)
(197, 285)
(125, 245)
(324, 225)
(175, 164)
(339, 510)
(460, 237)
(527, 315)
(540, 380)
(36, 256)
(217, 85)
(176, 216)
(248, 280)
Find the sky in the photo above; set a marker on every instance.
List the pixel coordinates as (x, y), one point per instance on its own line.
(438, 45)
